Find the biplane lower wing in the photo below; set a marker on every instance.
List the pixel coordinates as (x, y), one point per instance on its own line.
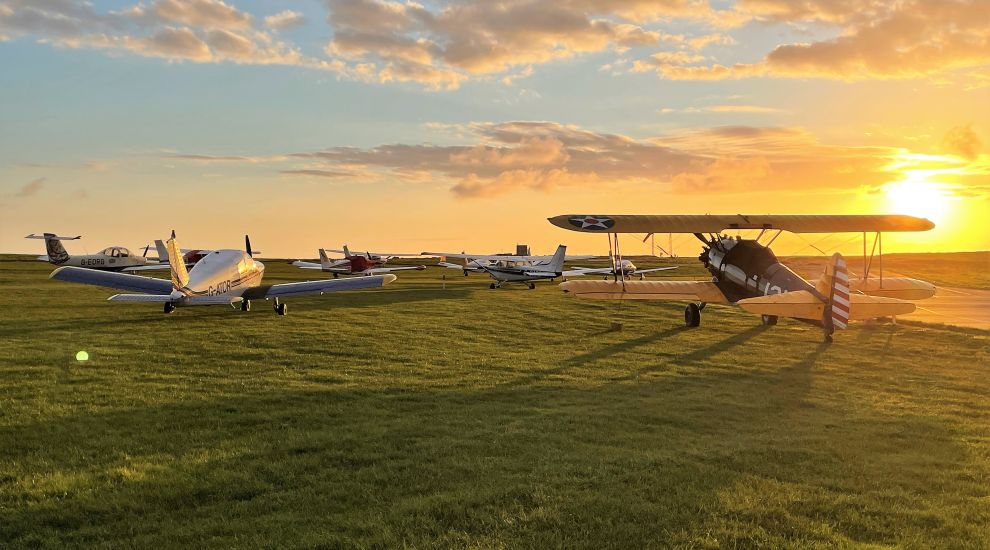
(801, 304)
(702, 291)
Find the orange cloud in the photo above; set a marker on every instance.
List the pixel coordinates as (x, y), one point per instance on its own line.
(962, 141)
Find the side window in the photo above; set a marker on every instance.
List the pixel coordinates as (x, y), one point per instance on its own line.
(114, 253)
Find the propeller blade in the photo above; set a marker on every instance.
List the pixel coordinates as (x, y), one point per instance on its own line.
(247, 245)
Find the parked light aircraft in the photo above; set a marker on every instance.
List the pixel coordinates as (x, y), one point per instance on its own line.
(113, 258)
(519, 269)
(230, 277)
(480, 263)
(622, 267)
(368, 264)
(745, 272)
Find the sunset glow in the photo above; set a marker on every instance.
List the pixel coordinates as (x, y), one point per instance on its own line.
(393, 124)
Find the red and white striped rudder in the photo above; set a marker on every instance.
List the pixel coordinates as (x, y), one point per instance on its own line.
(839, 299)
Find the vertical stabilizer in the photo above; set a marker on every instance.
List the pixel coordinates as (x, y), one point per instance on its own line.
(557, 261)
(324, 259)
(180, 277)
(162, 251)
(347, 253)
(837, 279)
(56, 252)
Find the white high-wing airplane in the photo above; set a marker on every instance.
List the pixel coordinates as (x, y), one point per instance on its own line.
(522, 269)
(368, 264)
(479, 263)
(112, 258)
(227, 277)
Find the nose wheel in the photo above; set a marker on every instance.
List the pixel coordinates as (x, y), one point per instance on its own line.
(245, 305)
(280, 308)
(169, 307)
(692, 315)
(532, 286)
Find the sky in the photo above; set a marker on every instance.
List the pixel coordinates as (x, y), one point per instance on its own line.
(463, 125)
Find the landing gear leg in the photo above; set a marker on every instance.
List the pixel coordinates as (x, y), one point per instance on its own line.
(245, 305)
(692, 315)
(169, 307)
(769, 320)
(280, 307)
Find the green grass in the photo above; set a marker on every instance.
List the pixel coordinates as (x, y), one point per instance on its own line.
(466, 417)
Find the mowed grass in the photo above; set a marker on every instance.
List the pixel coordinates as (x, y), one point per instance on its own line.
(466, 417)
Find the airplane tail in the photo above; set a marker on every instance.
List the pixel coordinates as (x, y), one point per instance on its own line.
(180, 277)
(53, 245)
(347, 253)
(162, 251)
(557, 261)
(324, 259)
(835, 285)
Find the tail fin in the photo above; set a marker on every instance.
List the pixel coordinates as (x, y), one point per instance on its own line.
(324, 259)
(557, 262)
(180, 277)
(162, 251)
(347, 253)
(53, 245)
(835, 285)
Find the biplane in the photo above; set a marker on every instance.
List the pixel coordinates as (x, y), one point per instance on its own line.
(746, 273)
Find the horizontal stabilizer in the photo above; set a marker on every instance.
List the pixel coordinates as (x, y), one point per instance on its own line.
(704, 291)
(902, 288)
(802, 304)
(51, 237)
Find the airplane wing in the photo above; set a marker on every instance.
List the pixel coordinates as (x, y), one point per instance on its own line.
(121, 281)
(505, 257)
(389, 254)
(802, 304)
(703, 291)
(336, 267)
(708, 223)
(322, 286)
(379, 270)
(654, 269)
(150, 267)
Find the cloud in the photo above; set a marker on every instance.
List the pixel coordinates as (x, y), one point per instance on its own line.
(442, 46)
(909, 39)
(489, 159)
(200, 31)
(962, 141)
(723, 109)
(30, 189)
(286, 19)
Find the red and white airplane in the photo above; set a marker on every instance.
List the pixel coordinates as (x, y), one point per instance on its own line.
(369, 263)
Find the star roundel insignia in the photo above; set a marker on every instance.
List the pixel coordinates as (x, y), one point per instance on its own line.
(594, 223)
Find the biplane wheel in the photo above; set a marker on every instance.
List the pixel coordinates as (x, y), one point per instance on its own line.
(280, 309)
(245, 305)
(169, 307)
(692, 315)
(492, 286)
(769, 320)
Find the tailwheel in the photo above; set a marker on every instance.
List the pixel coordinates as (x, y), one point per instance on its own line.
(769, 320)
(532, 286)
(692, 315)
(245, 305)
(169, 307)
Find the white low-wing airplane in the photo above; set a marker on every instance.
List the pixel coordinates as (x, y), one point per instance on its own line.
(227, 277)
(524, 269)
(112, 258)
(368, 264)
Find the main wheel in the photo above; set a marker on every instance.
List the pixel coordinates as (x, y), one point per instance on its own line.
(492, 286)
(532, 286)
(169, 307)
(281, 309)
(692, 315)
(769, 320)
(336, 275)
(245, 305)
(465, 273)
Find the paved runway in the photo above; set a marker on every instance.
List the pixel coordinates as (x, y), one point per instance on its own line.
(964, 307)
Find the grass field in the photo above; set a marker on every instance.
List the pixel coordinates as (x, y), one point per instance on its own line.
(465, 417)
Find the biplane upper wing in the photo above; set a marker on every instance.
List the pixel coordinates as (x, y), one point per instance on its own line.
(716, 223)
(703, 291)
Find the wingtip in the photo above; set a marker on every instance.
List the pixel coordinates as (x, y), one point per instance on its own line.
(56, 271)
(388, 278)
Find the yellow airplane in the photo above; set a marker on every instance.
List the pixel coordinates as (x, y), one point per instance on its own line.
(745, 272)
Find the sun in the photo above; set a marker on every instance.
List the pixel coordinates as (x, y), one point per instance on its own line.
(917, 197)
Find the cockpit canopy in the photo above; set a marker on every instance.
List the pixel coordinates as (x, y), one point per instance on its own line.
(116, 252)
